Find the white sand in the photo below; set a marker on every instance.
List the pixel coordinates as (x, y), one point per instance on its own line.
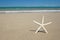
(20, 26)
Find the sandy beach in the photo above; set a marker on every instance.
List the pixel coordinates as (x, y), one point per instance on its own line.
(20, 26)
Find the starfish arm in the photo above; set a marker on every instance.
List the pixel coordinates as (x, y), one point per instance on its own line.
(42, 19)
(48, 23)
(36, 22)
(38, 29)
(45, 29)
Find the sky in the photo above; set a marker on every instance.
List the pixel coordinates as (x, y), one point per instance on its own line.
(29, 3)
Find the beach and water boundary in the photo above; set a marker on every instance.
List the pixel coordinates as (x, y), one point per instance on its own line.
(31, 11)
(19, 25)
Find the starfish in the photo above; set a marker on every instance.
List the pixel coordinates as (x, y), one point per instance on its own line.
(41, 25)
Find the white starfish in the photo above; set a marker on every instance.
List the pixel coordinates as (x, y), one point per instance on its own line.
(41, 25)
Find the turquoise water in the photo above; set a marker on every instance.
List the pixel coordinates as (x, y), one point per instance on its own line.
(29, 8)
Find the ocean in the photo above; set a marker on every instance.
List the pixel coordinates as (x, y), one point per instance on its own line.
(28, 8)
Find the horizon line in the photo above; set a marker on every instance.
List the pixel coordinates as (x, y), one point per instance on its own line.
(32, 6)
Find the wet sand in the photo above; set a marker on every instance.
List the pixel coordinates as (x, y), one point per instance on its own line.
(20, 26)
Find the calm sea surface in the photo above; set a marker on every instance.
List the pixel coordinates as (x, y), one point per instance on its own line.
(29, 8)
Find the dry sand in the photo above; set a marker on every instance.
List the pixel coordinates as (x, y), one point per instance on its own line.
(20, 26)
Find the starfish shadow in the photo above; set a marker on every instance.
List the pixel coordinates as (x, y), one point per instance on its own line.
(42, 31)
(38, 31)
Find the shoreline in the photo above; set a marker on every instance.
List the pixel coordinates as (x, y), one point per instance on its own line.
(31, 11)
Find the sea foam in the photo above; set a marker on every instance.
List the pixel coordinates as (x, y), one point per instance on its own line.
(32, 11)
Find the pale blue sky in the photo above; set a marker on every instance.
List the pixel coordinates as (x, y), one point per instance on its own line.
(29, 3)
